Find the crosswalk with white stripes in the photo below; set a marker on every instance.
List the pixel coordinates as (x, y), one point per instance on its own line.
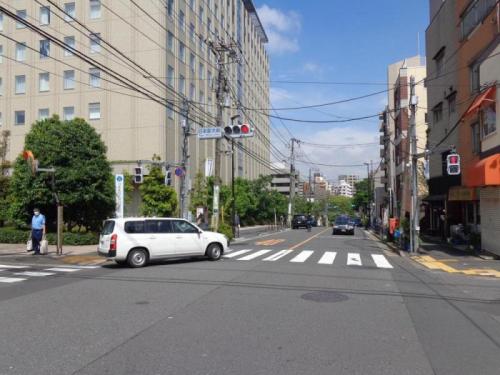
(12, 274)
(350, 259)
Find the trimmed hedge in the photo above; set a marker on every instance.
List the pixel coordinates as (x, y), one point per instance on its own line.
(18, 236)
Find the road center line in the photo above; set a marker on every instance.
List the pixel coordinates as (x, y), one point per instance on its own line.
(309, 239)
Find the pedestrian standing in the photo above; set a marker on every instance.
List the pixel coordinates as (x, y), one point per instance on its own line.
(37, 230)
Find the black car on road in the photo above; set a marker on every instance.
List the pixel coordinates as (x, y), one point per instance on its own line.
(299, 221)
(343, 224)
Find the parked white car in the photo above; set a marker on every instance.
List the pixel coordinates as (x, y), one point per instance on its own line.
(137, 240)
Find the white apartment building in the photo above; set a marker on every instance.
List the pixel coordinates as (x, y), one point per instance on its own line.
(351, 179)
(170, 40)
(343, 188)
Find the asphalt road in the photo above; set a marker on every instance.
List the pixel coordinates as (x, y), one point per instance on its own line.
(330, 305)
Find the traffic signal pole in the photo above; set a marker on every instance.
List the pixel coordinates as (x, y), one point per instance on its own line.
(186, 128)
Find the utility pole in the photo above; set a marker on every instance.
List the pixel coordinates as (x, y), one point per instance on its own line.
(219, 49)
(186, 129)
(369, 192)
(292, 180)
(310, 186)
(233, 203)
(414, 215)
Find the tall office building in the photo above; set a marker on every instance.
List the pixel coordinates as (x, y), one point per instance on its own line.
(170, 40)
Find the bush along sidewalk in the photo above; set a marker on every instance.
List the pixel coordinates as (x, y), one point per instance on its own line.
(18, 236)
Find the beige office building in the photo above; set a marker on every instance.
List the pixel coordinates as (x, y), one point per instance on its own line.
(170, 41)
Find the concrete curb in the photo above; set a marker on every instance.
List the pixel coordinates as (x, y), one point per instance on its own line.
(390, 246)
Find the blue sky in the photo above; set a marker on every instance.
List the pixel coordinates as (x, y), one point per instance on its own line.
(340, 41)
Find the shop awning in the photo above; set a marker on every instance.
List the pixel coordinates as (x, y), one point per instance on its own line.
(485, 172)
(435, 198)
(486, 97)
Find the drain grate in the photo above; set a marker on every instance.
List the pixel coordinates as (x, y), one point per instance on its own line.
(328, 297)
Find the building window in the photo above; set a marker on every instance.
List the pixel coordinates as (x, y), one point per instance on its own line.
(201, 97)
(192, 62)
(70, 12)
(209, 77)
(43, 82)
(181, 20)
(20, 51)
(170, 41)
(69, 80)
(201, 43)
(68, 113)
(201, 70)
(475, 79)
(170, 76)
(182, 52)
(170, 109)
(182, 85)
(192, 91)
(476, 138)
(95, 9)
(1, 86)
(209, 26)
(94, 111)
(192, 4)
(95, 43)
(1, 119)
(1, 21)
(44, 15)
(44, 48)
(19, 117)
(200, 15)
(170, 7)
(20, 86)
(95, 77)
(452, 103)
(70, 41)
(439, 60)
(488, 120)
(475, 14)
(192, 32)
(43, 114)
(1, 54)
(437, 113)
(21, 14)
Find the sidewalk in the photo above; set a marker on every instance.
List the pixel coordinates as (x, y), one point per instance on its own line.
(81, 255)
(447, 258)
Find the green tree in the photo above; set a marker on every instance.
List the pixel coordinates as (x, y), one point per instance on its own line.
(339, 205)
(83, 177)
(199, 193)
(4, 179)
(157, 198)
(360, 199)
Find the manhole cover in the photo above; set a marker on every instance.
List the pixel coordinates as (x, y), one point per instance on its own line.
(329, 297)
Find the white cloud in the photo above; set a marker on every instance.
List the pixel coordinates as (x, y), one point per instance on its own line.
(311, 67)
(281, 28)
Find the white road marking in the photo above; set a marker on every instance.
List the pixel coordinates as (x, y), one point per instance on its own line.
(278, 255)
(353, 259)
(302, 256)
(236, 253)
(381, 261)
(12, 266)
(84, 267)
(35, 274)
(255, 255)
(10, 279)
(57, 269)
(328, 257)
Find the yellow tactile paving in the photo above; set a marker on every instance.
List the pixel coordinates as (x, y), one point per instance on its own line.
(435, 264)
(86, 260)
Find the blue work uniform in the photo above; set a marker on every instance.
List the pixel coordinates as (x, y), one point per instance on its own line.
(37, 224)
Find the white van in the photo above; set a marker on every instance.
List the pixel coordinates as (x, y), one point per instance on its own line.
(137, 240)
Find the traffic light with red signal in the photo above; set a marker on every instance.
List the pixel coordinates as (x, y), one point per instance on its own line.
(239, 131)
(453, 164)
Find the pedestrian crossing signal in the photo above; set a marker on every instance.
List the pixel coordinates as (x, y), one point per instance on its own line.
(138, 175)
(453, 164)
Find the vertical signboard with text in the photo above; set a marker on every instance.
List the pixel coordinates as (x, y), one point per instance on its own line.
(119, 194)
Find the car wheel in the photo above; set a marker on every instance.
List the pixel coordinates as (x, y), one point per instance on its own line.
(214, 252)
(137, 258)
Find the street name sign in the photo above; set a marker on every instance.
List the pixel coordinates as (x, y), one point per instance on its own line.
(210, 133)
